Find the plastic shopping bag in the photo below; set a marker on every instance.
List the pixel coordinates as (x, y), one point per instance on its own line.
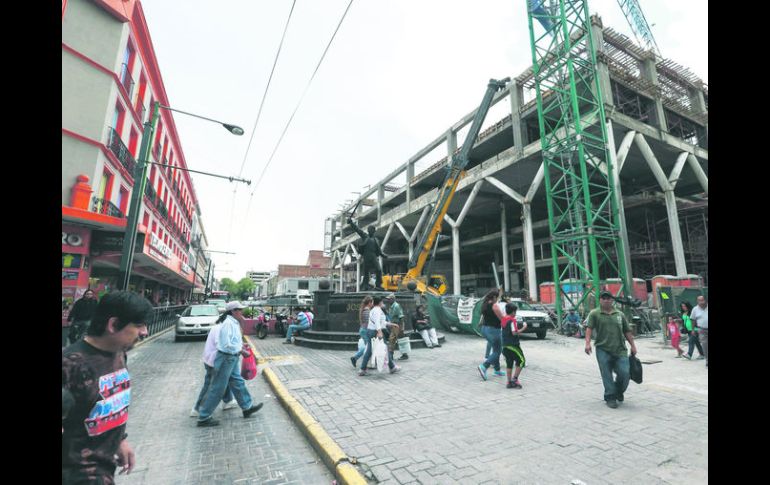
(249, 366)
(379, 353)
(404, 346)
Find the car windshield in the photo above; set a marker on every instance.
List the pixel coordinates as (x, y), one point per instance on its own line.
(201, 311)
(524, 306)
(216, 302)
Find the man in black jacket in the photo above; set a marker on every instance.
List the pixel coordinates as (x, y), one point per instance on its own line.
(80, 316)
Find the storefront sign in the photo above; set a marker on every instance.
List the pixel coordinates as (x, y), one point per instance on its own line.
(71, 260)
(74, 239)
(160, 246)
(106, 241)
(69, 275)
(185, 267)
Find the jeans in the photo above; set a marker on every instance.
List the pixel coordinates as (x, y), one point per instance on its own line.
(224, 374)
(228, 396)
(608, 364)
(370, 334)
(361, 333)
(489, 344)
(692, 341)
(494, 337)
(703, 334)
(294, 328)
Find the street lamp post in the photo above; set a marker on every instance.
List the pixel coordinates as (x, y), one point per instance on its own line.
(140, 179)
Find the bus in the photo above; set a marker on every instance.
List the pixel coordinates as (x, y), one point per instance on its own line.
(220, 294)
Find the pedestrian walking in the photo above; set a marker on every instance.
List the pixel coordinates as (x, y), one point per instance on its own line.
(690, 330)
(81, 314)
(95, 375)
(610, 326)
(511, 346)
(230, 348)
(421, 323)
(209, 355)
(700, 319)
(396, 317)
(376, 328)
(672, 328)
(491, 331)
(363, 320)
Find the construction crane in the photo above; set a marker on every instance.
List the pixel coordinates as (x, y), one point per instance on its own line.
(638, 23)
(413, 278)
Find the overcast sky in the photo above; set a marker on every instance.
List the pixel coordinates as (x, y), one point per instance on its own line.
(397, 75)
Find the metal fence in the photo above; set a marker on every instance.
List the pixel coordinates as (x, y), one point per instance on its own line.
(163, 317)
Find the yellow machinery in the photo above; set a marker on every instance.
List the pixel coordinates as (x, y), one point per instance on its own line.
(436, 284)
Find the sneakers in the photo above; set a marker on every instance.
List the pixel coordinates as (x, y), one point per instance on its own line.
(680, 356)
(404, 357)
(208, 422)
(193, 413)
(437, 345)
(611, 403)
(353, 361)
(395, 369)
(499, 373)
(700, 357)
(483, 371)
(362, 373)
(513, 384)
(687, 356)
(252, 410)
(230, 405)
(287, 342)
(509, 385)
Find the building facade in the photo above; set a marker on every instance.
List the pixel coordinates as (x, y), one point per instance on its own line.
(110, 80)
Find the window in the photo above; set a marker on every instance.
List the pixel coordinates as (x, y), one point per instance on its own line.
(133, 142)
(302, 284)
(123, 200)
(155, 227)
(146, 219)
(118, 118)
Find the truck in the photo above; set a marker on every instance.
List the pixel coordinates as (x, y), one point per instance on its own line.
(436, 284)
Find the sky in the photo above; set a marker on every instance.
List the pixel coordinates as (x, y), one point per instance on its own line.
(398, 74)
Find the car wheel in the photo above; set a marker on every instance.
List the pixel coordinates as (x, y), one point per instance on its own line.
(262, 332)
(541, 335)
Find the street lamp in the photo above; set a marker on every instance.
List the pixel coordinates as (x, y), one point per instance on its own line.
(140, 179)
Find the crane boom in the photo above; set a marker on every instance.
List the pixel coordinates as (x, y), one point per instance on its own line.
(455, 172)
(638, 23)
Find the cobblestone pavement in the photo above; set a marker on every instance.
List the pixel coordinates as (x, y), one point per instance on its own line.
(438, 422)
(264, 449)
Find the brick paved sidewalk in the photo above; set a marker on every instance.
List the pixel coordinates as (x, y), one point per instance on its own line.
(438, 422)
(265, 449)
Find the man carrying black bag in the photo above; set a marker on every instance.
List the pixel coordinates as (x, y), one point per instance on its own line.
(610, 325)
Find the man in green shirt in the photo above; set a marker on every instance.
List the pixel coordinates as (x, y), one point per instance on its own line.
(396, 315)
(610, 326)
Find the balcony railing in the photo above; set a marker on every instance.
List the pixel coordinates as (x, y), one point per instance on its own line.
(126, 80)
(119, 149)
(156, 149)
(149, 191)
(103, 206)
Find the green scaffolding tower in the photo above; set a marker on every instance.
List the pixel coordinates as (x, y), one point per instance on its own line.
(582, 207)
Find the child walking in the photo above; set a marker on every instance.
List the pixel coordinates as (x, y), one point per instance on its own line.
(673, 333)
(511, 347)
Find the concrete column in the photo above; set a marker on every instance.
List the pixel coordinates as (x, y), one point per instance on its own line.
(409, 178)
(517, 100)
(451, 144)
(380, 197)
(504, 233)
(602, 69)
(613, 161)
(676, 235)
(529, 250)
(699, 173)
(456, 260)
(650, 73)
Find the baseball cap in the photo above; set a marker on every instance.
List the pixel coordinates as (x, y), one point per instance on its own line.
(234, 305)
(605, 294)
(390, 296)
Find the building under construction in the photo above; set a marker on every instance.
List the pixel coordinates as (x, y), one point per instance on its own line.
(658, 113)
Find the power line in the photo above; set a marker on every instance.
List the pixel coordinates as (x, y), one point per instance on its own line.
(301, 98)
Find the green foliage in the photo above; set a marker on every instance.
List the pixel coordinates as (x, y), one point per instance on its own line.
(227, 284)
(245, 288)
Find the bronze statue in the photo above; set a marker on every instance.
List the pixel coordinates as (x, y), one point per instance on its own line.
(369, 248)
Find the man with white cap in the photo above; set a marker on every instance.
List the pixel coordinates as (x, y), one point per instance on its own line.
(230, 347)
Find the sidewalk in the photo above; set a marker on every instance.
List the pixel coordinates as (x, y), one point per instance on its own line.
(264, 449)
(438, 422)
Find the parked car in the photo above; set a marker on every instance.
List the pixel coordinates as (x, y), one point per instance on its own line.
(218, 302)
(196, 321)
(537, 321)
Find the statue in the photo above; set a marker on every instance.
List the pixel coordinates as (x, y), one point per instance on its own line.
(369, 248)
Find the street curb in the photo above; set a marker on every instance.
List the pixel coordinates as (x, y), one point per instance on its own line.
(331, 453)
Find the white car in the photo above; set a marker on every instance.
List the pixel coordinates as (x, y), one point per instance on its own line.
(537, 321)
(196, 321)
(217, 302)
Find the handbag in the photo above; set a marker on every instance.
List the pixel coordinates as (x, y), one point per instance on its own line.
(249, 366)
(635, 368)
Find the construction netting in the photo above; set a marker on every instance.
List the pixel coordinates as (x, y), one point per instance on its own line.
(455, 313)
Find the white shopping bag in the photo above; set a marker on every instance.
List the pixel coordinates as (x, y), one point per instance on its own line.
(379, 353)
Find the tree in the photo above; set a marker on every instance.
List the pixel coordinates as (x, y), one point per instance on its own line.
(245, 288)
(226, 284)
